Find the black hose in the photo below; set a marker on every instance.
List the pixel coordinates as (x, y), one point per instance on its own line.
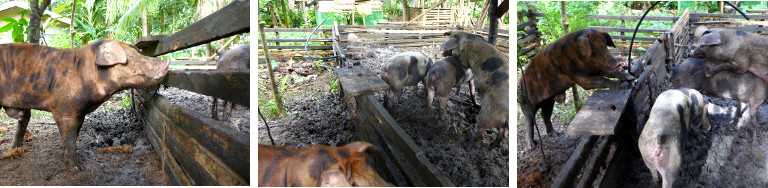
(737, 9)
(310, 37)
(265, 124)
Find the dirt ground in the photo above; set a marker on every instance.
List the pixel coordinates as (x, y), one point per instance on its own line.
(240, 116)
(733, 154)
(317, 117)
(109, 125)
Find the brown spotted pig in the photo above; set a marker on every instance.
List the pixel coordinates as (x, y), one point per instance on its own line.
(745, 87)
(404, 69)
(662, 140)
(580, 57)
(490, 68)
(739, 51)
(319, 165)
(70, 83)
(444, 75)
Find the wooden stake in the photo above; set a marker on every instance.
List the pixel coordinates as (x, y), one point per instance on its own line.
(278, 99)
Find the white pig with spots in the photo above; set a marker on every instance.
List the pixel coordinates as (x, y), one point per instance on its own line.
(662, 140)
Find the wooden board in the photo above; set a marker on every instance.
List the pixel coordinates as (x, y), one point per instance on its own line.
(359, 80)
(647, 18)
(231, 20)
(229, 85)
(411, 160)
(621, 29)
(572, 168)
(600, 114)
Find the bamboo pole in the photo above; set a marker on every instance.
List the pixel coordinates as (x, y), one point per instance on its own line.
(563, 18)
(278, 99)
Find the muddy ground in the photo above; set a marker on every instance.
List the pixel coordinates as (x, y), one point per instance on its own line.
(733, 154)
(109, 125)
(239, 118)
(318, 117)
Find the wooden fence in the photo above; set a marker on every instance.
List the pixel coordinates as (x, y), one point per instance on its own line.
(195, 149)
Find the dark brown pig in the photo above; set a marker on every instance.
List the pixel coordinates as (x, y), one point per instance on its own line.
(738, 50)
(490, 68)
(746, 87)
(70, 83)
(580, 57)
(662, 141)
(444, 75)
(404, 69)
(233, 59)
(319, 165)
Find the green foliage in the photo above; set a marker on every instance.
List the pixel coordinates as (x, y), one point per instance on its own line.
(19, 28)
(125, 100)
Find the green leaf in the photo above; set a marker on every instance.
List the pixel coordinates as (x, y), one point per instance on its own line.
(24, 22)
(6, 28)
(9, 20)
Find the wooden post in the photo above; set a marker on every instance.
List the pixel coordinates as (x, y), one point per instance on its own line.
(563, 18)
(278, 99)
(493, 21)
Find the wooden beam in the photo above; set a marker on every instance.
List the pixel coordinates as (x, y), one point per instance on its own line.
(231, 20)
(425, 12)
(619, 29)
(736, 16)
(310, 47)
(229, 145)
(300, 40)
(573, 166)
(298, 30)
(229, 85)
(647, 18)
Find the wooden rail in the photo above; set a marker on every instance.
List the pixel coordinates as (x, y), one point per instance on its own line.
(623, 35)
(195, 149)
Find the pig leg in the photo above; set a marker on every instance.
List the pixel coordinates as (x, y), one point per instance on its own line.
(18, 138)
(594, 82)
(430, 97)
(443, 102)
(398, 92)
(621, 75)
(546, 113)
(69, 128)
(738, 108)
(502, 134)
(472, 91)
(754, 105)
(530, 123)
(713, 70)
(214, 115)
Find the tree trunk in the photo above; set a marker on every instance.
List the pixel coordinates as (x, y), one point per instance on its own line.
(72, 25)
(493, 21)
(405, 11)
(35, 16)
(144, 27)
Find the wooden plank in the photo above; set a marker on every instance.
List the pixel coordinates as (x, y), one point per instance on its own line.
(404, 41)
(193, 63)
(619, 29)
(301, 47)
(746, 29)
(229, 145)
(345, 27)
(526, 24)
(597, 162)
(636, 38)
(211, 168)
(230, 85)
(389, 170)
(736, 16)
(600, 114)
(231, 20)
(188, 67)
(197, 173)
(359, 80)
(390, 36)
(406, 152)
(647, 18)
(297, 30)
(573, 166)
(171, 169)
(299, 40)
(527, 39)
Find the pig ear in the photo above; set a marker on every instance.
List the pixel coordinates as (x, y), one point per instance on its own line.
(111, 53)
(608, 40)
(449, 44)
(448, 33)
(711, 39)
(586, 49)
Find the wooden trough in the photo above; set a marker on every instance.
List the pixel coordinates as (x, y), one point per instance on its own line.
(604, 147)
(195, 149)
